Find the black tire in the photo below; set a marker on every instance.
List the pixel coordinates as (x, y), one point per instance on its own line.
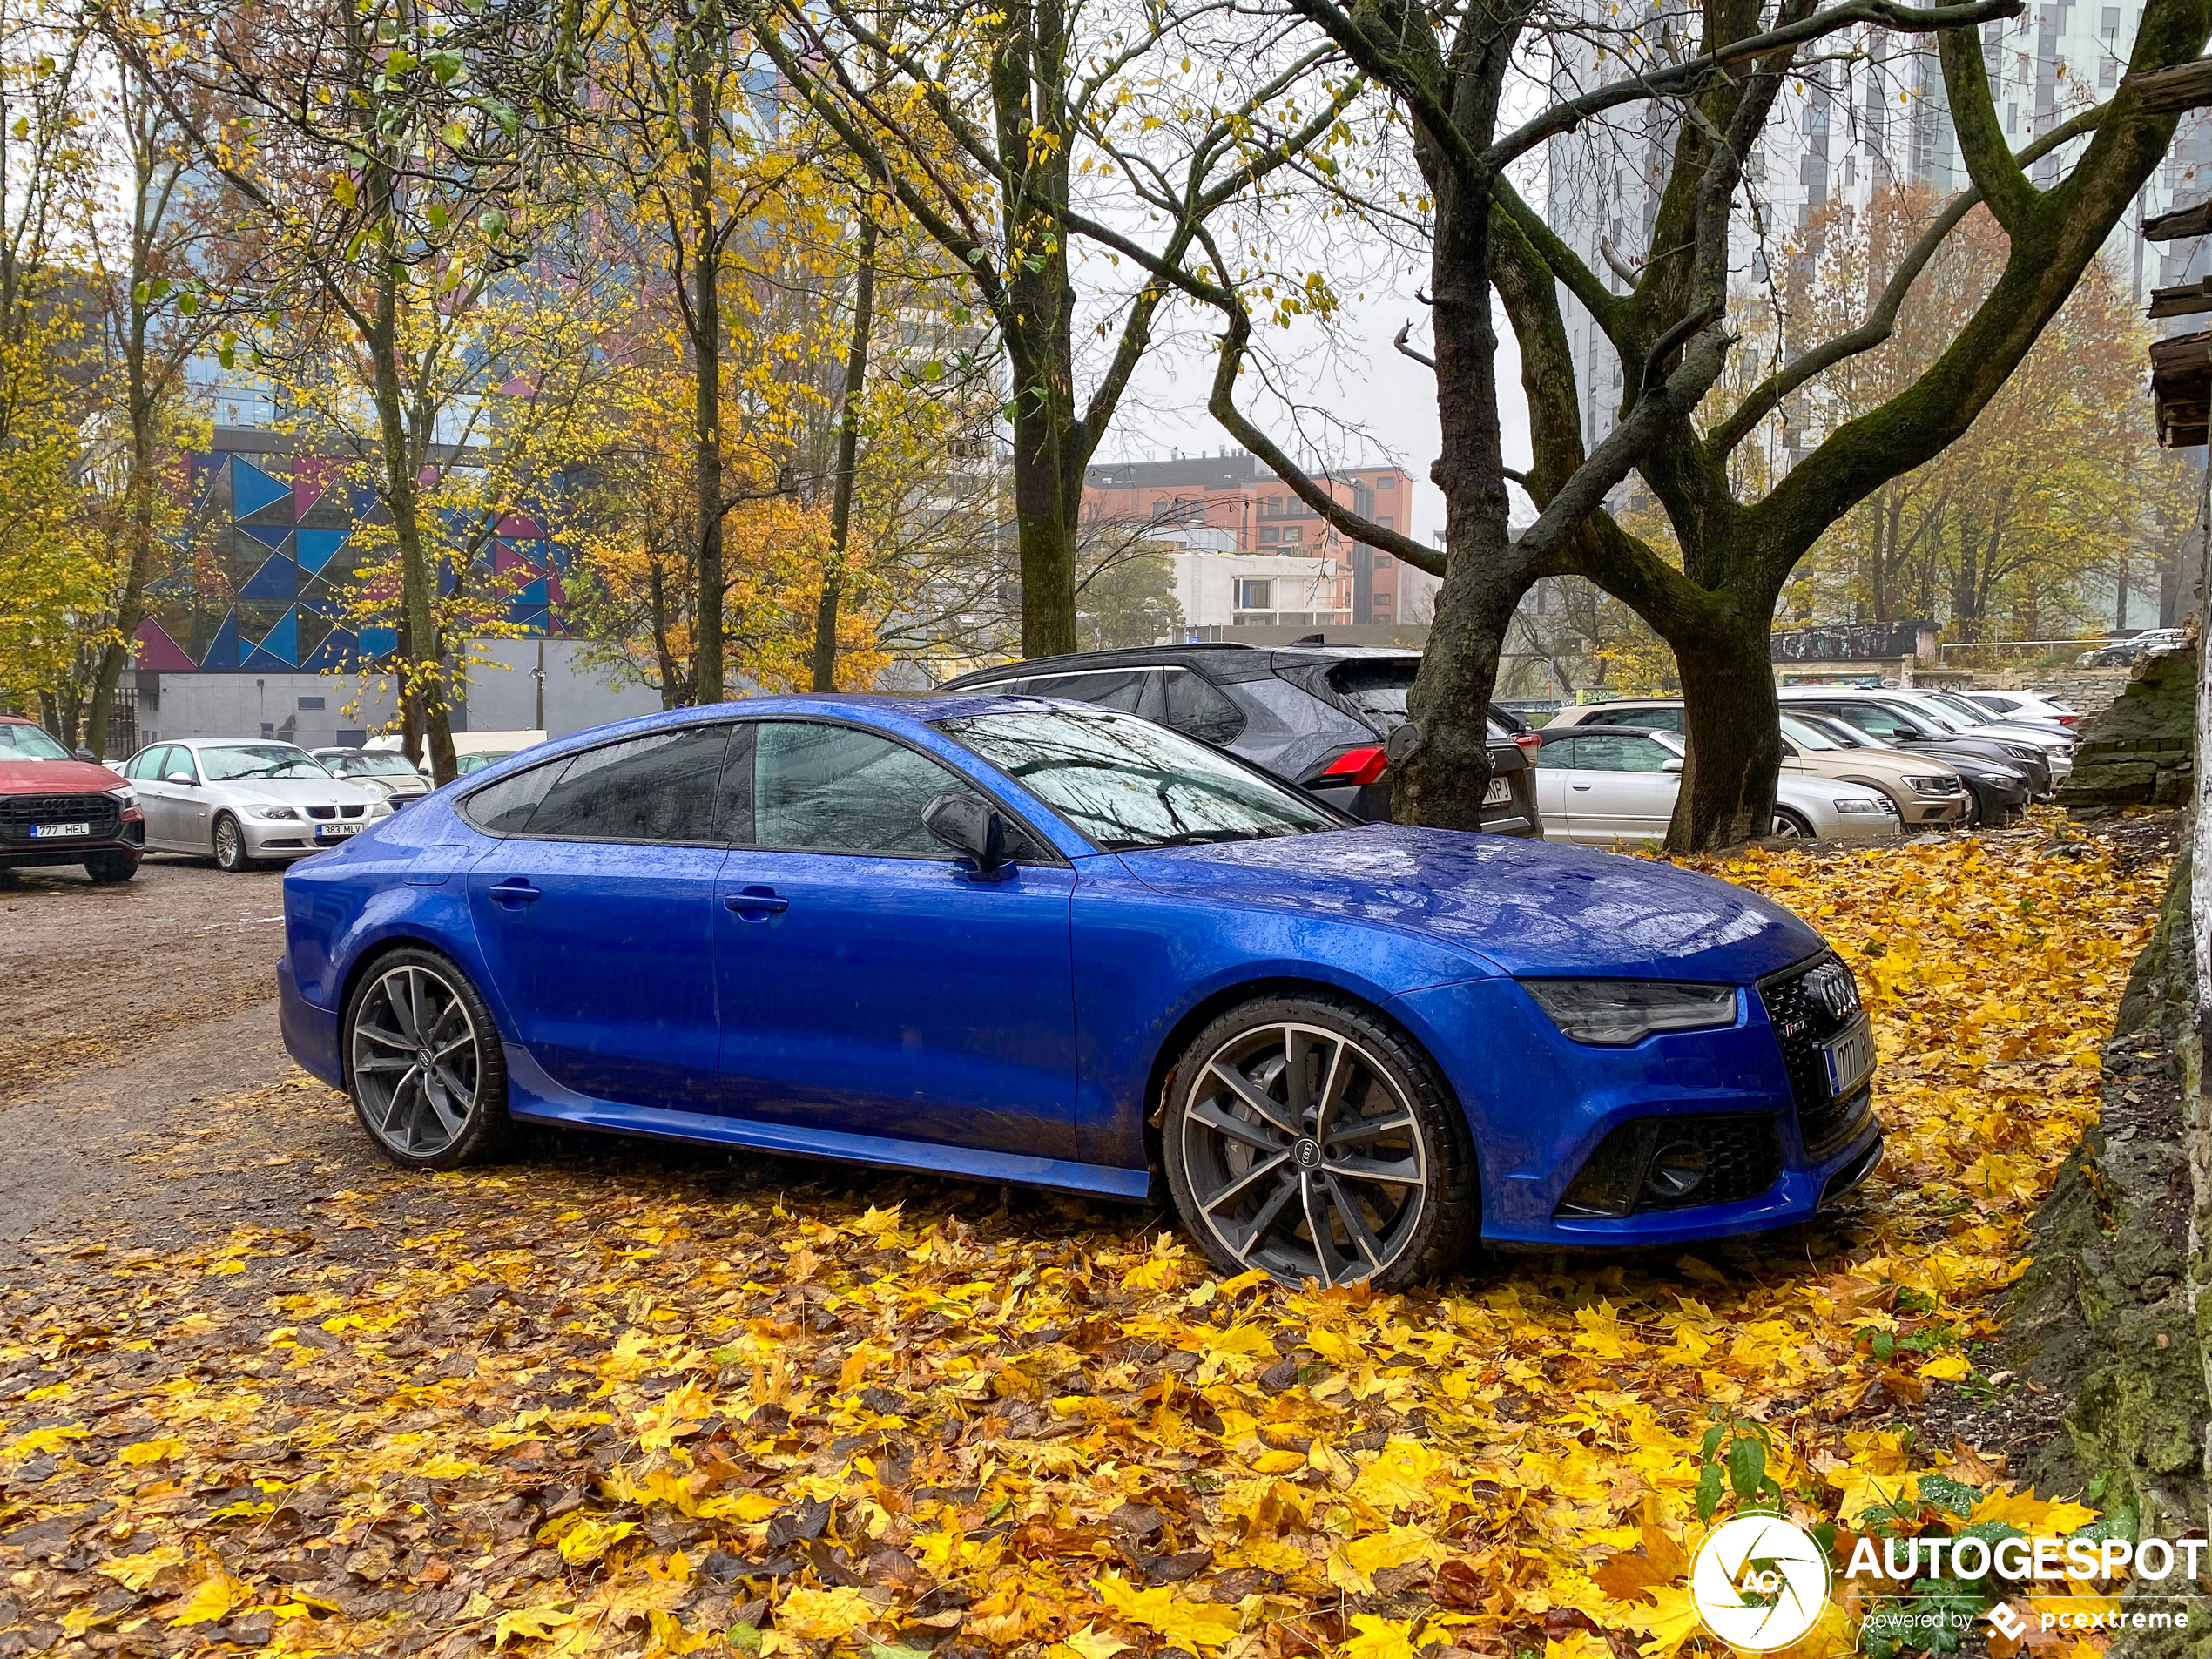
(1260, 1195)
(230, 845)
(1788, 826)
(442, 1115)
(107, 868)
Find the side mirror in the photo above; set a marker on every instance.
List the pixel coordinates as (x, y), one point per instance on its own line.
(86, 754)
(972, 827)
(179, 778)
(1673, 764)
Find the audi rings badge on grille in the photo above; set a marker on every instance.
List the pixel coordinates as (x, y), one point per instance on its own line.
(1832, 989)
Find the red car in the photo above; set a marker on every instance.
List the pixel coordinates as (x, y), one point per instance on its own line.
(55, 809)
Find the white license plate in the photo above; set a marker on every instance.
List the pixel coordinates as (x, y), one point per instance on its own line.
(54, 832)
(1500, 793)
(331, 832)
(1850, 1055)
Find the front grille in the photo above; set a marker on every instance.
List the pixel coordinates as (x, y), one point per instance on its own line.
(18, 813)
(1742, 1159)
(1808, 1004)
(336, 812)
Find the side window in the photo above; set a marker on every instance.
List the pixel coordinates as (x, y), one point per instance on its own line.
(655, 788)
(1608, 717)
(1881, 722)
(1621, 753)
(833, 789)
(141, 764)
(504, 808)
(177, 757)
(1557, 754)
(1660, 719)
(1119, 688)
(1194, 707)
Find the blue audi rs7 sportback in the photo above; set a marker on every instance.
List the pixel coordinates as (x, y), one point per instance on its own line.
(1017, 940)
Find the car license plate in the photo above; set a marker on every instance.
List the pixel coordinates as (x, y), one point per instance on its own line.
(54, 832)
(1850, 1055)
(1500, 793)
(332, 831)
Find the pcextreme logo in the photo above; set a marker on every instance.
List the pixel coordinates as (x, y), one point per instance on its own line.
(1759, 1582)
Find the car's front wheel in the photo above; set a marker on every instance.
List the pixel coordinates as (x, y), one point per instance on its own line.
(1788, 826)
(1305, 1136)
(230, 845)
(423, 1063)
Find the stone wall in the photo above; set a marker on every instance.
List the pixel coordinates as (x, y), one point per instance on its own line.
(2136, 753)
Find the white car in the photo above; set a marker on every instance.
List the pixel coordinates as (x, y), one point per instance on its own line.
(1599, 785)
(1969, 720)
(379, 769)
(241, 799)
(2024, 705)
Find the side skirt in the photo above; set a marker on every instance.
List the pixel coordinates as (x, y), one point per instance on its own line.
(535, 1097)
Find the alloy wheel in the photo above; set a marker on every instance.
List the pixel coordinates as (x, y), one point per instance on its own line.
(1304, 1156)
(1787, 828)
(230, 844)
(417, 1063)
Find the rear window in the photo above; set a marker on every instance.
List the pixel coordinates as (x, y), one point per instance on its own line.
(1375, 691)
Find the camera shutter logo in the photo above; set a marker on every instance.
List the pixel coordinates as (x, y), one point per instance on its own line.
(1759, 1582)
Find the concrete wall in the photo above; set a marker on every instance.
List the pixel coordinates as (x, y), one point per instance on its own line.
(501, 694)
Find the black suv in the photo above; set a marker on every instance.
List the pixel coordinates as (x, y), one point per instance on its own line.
(1317, 715)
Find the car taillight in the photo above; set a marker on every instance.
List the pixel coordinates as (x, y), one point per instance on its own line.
(2067, 720)
(1529, 739)
(1355, 767)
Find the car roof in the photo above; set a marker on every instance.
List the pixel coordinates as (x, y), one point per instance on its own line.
(1217, 660)
(1549, 732)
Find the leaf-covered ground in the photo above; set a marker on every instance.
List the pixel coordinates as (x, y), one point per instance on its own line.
(635, 1401)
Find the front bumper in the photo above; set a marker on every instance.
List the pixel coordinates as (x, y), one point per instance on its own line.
(129, 836)
(293, 839)
(1858, 827)
(1541, 1107)
(1925, 811)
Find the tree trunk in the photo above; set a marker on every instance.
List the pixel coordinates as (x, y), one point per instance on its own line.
(1733, 721)
(708, 685)
(671, 688)
(1442, 780)
(423, 675)
(131, 607)
(848, 453)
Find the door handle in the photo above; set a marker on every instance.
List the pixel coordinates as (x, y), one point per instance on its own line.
(513, 891)
(755, 904)
(1584, 789)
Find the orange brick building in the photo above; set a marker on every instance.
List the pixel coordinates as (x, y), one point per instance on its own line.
(1236, 493)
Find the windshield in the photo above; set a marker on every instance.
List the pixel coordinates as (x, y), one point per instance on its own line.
(1126, 783)
(229, 762)
(379, 765)
(464, 765)
(1805, 735)
(29, 743)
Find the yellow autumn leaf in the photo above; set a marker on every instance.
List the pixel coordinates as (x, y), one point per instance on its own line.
(1671, 1621)
(1948, 1367)
(1392, 1548)
(1378, 1638)
(2032, 1514)
(1399, 1477)
(1577, 1644)
(823, 1616)
(532, 1623)
(590, 1539)
(213, 1601)
(136, 1572)
(1090, 1642)
(154, 1451)
(1193, 1624)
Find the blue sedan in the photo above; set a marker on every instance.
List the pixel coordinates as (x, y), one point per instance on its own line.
(1016, 940)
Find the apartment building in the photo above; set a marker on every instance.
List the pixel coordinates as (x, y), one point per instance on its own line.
(1235, 495)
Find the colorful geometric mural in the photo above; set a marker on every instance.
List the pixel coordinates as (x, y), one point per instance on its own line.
(270, 563)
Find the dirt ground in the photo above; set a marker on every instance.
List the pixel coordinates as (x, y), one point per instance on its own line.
(120, 1009)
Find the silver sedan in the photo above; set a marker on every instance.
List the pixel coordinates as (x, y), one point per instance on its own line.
(243, 801)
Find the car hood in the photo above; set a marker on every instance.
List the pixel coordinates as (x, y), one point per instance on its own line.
(296, 791)
(54, 778)
(1527, 906)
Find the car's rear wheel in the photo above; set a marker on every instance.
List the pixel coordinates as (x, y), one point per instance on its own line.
(1788, 826)
(423, 1061)
(230, 845)
(1305, 1136)
(106, 868)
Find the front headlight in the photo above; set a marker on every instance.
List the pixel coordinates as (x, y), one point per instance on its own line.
(285, 813)
(125, 797)
(381, 807)
(1861, 804)
(1933, 786)
(1614, 1012)
(2022, 752)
